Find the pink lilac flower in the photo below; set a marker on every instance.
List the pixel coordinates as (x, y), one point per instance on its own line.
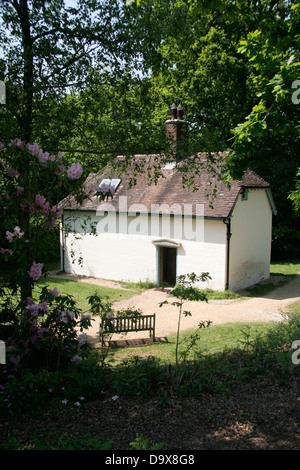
(26, 345)
(76, 358)
(54, 292)
(9, 236)
(34, 149)
(41, 331)
(32, 210)
(34, 325)
(43, 306)
(74, 172)
(43, 157)
(56, 212)
(2, 145)
(63, 317)
(20, 189)
(15, 360)
(59, 170)
(16, 142)
(32, 307)
(35, 271)
(70, 314)
(16, 234)
(81, 339)
(12, 172)
(85, 316)
(52, 223)
(46, 208)
(6, 250)
(40, 200)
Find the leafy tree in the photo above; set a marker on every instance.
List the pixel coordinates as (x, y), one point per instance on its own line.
(268, 140)
(185, 291)
(49, 47)
(295, 195)
(235, 65)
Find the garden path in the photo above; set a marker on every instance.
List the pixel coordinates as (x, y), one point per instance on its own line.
(269, 307)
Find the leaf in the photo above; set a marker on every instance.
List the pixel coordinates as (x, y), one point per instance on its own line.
(187, 313)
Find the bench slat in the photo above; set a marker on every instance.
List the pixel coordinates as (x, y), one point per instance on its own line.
(130, 323)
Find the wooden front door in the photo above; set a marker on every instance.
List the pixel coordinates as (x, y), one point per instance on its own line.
(167, 265)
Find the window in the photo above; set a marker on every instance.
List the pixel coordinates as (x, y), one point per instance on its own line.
(244, 194)
(169, 166)
(110, 183)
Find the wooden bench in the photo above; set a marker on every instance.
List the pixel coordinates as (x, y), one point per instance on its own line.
(128, 324)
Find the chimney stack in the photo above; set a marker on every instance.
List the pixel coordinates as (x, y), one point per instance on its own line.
(176, 128)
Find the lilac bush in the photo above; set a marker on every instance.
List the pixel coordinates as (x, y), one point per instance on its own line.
(48, 331)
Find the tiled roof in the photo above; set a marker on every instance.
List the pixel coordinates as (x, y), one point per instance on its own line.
(169, 191)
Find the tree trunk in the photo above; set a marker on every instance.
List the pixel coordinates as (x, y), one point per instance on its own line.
(27, 44)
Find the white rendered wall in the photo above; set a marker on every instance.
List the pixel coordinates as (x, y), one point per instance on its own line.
(250, 244)
(123, 249)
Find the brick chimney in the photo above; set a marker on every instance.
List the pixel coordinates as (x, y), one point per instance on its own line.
(176, 128)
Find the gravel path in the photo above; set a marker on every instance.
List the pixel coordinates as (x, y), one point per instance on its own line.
(270, 307)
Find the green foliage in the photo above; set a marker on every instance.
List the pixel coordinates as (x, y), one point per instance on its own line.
(295, 195)
(48, 48)
(138, 377)
(267, 140)
(232, 65)
(140, 443)
(46, 333)
(69, 443)
(266, 351)
(82, 292)
(33, 391)
(183, 291)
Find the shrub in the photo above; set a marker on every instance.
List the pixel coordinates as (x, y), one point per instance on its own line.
(138, 377)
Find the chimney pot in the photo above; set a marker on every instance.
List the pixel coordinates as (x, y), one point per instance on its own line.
(173, 111)
(176, 129)
(180, 112)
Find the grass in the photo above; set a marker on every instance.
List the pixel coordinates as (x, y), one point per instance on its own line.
(295, 308)
(284, 271)
(210, 373)
(286, 268)
(213, 340)
(221, 295)
(81, 290)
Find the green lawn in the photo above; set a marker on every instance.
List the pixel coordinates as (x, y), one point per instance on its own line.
(286, 268)
(214, 339)
(211, 340)
(81, 290)
(282, 272)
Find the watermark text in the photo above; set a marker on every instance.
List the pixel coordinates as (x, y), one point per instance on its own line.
(2, 92)
(2, 352)
(296, 94)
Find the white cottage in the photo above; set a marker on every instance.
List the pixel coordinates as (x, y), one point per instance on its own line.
(159, 231)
